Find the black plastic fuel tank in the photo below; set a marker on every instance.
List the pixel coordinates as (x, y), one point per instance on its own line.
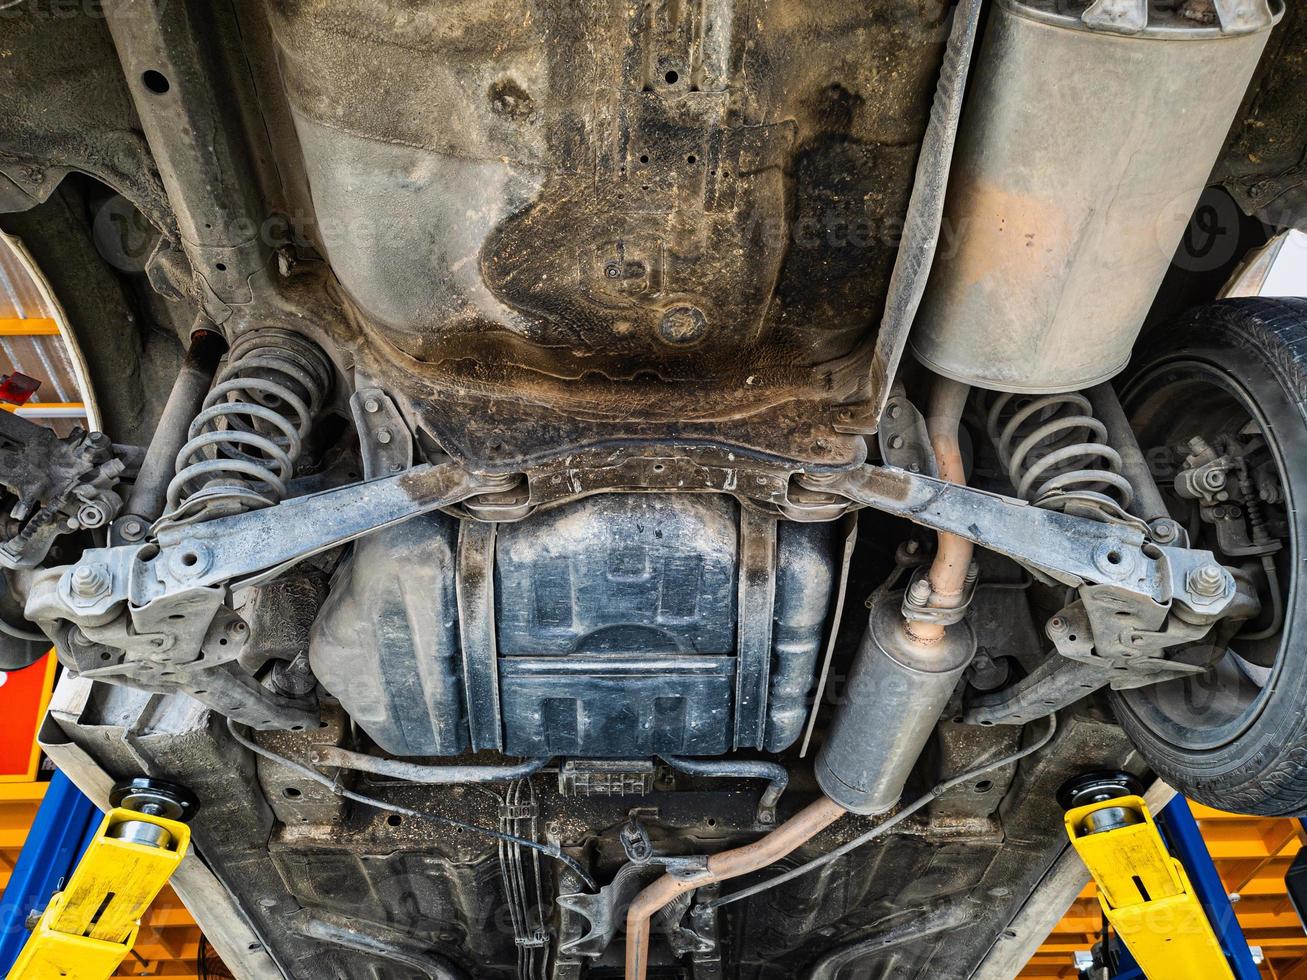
(616, 632)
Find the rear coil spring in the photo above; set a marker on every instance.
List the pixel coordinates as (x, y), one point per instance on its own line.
(1053, 448)
(243, 445)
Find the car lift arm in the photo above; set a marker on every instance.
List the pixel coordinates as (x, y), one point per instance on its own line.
(1166, 903)
(88, 929)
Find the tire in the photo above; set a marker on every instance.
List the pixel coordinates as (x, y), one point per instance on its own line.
(1254, 763)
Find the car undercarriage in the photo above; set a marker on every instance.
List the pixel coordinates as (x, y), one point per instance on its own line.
(658, 489)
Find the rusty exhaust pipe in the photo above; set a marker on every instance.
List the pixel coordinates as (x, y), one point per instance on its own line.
(802, 827)
(948, 572)
(870, 751)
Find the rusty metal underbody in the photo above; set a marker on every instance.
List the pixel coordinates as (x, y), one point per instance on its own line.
(538, 393)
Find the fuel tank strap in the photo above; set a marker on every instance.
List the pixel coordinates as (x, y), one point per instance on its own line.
(756, 604)
(476, 623)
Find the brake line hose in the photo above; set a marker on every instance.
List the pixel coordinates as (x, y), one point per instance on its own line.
(882, 828)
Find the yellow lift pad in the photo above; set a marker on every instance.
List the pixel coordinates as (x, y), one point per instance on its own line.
(89, 927)
(1144, 891)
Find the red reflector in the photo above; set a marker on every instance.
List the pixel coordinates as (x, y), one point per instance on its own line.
(17, 389)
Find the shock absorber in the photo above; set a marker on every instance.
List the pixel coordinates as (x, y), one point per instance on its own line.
(1054, 449)
(242, 446)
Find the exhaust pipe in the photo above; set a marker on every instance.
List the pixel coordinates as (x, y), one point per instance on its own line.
(897, 690)
(802, 827)
(948, 572)
(904, 675)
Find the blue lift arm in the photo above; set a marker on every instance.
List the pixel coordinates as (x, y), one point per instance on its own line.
(64, 825)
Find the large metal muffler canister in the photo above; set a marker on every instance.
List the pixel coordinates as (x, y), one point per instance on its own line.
(896, 692)
(1082, 156)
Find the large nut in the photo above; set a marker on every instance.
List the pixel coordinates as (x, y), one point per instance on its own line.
(92, 514)
(90, 582)
(1207, 581)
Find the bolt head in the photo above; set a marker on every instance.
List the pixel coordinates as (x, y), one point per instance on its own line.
(90, 581)
(92, 514)
(371, 405)
(1058, 625)
(132, 529)
(383, 436)
(896, 442)
(1208, 580)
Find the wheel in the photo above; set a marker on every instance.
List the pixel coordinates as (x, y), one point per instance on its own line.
(1229, 381)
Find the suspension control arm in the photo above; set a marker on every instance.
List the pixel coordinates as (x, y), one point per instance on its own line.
(1075, 551)
(253, 547)
(153, 615)
(249, 548)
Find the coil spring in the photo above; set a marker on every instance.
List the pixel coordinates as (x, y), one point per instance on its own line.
(242, 447)
(1052, 447)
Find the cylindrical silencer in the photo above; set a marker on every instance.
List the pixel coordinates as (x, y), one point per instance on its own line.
(894, 698)
(1081, 156)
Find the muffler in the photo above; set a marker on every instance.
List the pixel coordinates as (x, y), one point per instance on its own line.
(1082, 154)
